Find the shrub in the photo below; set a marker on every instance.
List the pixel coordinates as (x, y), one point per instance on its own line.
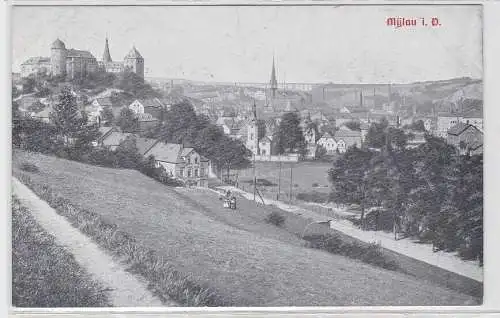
(313, 196)
(367, 253)
(29, 167)
(315, 185)
(275, 218)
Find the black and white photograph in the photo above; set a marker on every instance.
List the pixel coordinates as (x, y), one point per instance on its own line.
(246, 155)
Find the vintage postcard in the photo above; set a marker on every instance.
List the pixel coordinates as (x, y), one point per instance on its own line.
(247, 156)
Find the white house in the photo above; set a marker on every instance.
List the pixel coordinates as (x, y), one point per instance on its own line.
(265, 145)
(328, 142)
(181, 163)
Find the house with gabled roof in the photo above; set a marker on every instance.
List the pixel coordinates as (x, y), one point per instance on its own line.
(114, 139)
(466, 138)
(183, 163)
(102, 102)
(152, 106)
(328, 142)
(346, 138)
(144, 144)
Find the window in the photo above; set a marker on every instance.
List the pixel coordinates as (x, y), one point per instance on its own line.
(189, 173)
(251, 136)
(196, 160)
(202, 172)
(189, 160)
(196, 172)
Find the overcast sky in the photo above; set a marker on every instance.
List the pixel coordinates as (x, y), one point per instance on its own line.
(345, 44)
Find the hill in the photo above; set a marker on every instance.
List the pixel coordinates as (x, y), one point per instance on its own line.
(246, 261)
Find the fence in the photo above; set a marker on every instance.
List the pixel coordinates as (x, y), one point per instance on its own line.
(282, 158)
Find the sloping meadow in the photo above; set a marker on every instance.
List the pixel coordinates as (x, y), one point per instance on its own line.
(199, 261)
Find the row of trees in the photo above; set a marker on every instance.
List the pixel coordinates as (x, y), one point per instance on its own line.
(183, 126)
(432, 192)
(70, 136)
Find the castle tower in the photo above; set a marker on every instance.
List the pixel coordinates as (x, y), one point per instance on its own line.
(253, 132)
(274, 81)
(58, 56)
(134, 62)
(106, 57)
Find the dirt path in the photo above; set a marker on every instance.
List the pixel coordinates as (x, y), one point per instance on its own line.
(126, 289)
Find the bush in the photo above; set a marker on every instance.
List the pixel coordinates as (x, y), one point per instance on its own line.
(367, 253)
(315, 185)
(313, 196)
(275, 218)
(29, 167)
(262, 182)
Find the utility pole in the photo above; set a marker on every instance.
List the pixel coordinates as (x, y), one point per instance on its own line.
(254, 178)
(291, 184)
(279, 183)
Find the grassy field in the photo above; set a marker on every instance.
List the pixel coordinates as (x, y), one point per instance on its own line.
(243, 259)
(306, 178)
(44, 274)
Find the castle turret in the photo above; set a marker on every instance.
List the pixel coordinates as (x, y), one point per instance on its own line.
(134, 62)
(58, 58)
(106, 57)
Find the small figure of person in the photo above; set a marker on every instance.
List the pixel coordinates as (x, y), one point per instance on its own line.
(233, 202)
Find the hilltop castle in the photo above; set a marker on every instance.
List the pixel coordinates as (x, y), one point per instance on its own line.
(78, 63)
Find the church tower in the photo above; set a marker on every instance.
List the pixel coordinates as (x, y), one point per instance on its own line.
(106, 57)
(253, 132)
(273, 82)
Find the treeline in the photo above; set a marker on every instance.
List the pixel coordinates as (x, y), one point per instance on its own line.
(42, 85)
(430, 192)
(70, 136)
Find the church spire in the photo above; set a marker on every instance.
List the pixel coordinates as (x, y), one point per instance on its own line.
(254, 111)
(106, 57)
(274, 81)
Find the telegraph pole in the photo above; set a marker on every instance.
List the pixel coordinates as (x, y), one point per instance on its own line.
(291, 184)
(254, 178)
(279, 183)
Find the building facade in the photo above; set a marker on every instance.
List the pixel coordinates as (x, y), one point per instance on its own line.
(72, 63)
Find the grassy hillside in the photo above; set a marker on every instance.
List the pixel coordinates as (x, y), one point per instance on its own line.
(44, 274)
(244, 261)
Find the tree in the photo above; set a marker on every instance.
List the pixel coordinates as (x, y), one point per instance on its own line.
(375, 138)
(182, 125)
(15, 91)
(133, 83)
(127, 155)
(418, 125)
(353, 125)
(108, 116)
(290, 135)
(15, 110)
(127, 120)
(350, 179)
(321, 152)
(28, 85)
(328, 128)
(70, 123)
